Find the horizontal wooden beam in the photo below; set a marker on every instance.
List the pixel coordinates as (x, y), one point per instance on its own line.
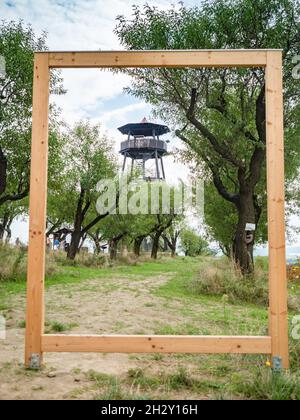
(156, 344)
(175, 59)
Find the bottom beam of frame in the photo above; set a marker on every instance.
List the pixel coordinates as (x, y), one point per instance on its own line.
(156, 344)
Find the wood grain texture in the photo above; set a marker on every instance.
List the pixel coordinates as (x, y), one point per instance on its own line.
(156, 344)
(37, 208)
(275, 344)
(278, 322)
(175, 59)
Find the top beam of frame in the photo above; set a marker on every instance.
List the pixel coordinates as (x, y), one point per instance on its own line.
(174, 58)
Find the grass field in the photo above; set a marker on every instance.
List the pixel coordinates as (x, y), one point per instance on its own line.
(145, 298)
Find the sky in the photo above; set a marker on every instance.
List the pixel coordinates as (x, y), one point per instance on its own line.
(93, 94)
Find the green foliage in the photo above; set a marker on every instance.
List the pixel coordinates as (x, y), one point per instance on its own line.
(166, 376)
(227, 100)
(82, 259)
(87, 158)
(221, 278)
(263, 385)
(294, 348)
(221, 218)
(116, 225)
(13, 263)
(13, 267)
(17, 45)
(58, 327)
(192, 243)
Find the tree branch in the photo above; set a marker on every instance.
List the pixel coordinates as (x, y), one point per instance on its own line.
(221, 150)
(14, 197)
(215, 173)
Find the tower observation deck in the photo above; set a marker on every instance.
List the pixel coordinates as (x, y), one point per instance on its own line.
(143, 144)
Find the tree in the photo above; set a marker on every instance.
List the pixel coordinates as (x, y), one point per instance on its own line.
(172, 235)
(97, 237)
(219, 114)
(220, 218)
(8, 214)
(163, 222)
(88, 157)
(114, 228)
(192, 243)
(17, 46)
(140, 228)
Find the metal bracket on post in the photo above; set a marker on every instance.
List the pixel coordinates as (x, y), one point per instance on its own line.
(35, 361)
(277, 364)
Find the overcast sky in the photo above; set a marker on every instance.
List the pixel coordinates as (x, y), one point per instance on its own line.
(88, 25)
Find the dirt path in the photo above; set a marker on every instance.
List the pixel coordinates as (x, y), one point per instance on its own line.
(123, 305)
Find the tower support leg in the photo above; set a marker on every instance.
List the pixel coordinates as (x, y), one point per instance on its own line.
(163, 168)
(124, 163)
(144, 168)
(157, 165)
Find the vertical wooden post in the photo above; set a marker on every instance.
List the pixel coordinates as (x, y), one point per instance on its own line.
(278, 322)
(37, 212)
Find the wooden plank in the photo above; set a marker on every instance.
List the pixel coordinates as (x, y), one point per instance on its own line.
(176, 59)
(37, 209)
(278, 322)
(277, 343)
(156, 344)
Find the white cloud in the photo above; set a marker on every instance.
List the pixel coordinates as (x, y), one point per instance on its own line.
(87, 90)
(74, 24)
(78, 25)
(121, 114)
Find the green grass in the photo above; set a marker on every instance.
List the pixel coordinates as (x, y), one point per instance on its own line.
(58, 327)
(263, 385)
(75, 274)
(212, 376)
(137, 384)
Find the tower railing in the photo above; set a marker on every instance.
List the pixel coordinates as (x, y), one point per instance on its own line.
(144, 143)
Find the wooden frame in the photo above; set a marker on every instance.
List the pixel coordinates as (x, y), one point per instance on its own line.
(276, 343)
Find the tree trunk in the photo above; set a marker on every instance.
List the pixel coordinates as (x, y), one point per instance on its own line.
(172, 244)
(97, 246)
(75, 243)
(83, 239)
(3, 225)
(137, 245)
(77, 232)
(3, 172)
(96, 237)
(8, 232)
(155, 245)
(113, 248)
(243, 244)
(2, 231)
(173, 251)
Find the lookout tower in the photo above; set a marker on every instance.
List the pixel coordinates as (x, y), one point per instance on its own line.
(143, 144)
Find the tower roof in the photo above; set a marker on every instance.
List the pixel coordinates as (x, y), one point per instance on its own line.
(144, 128)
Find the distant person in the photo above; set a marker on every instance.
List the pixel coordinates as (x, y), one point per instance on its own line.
(56, 244)
(18, 243)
